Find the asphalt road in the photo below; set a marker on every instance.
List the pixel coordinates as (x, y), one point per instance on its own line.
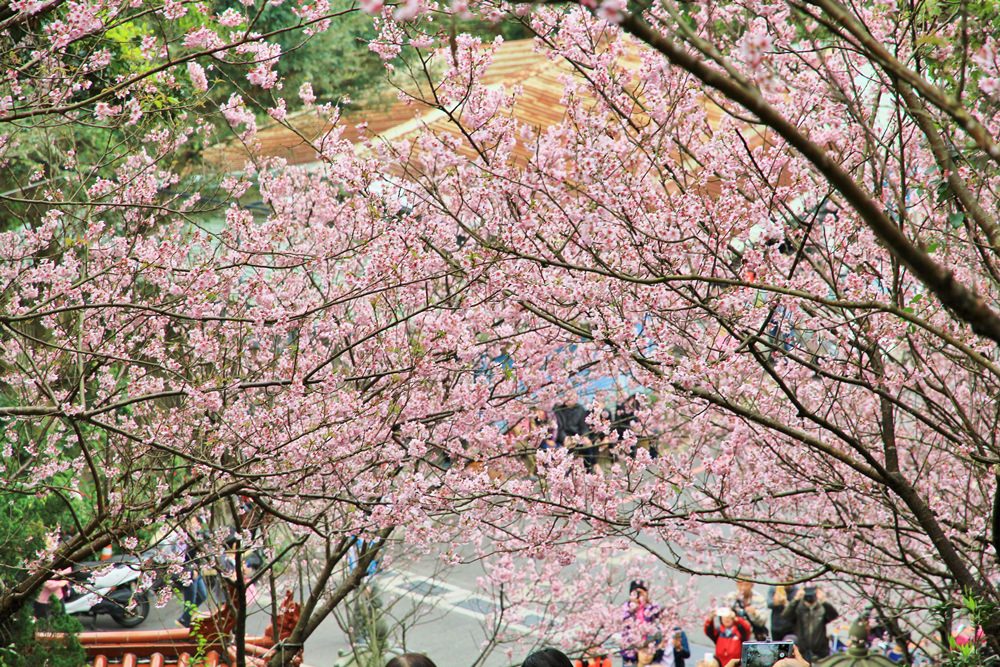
(440, 613)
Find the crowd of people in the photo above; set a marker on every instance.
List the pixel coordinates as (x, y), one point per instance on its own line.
(553, 657)
(794, 614)
(800, 620)
(798, 615)
(566, 425)
(547, 657)
(187, 543)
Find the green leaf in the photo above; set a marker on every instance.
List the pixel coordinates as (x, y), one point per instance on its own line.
(956, 219)
(943, 192)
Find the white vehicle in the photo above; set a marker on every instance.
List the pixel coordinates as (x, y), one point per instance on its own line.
(108, 587)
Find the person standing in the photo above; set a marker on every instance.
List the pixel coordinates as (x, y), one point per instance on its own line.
(639, 621)
(626, 419)
(53, 589)
(571, 421)
(546, 428)
(809, 612)
(194, 591)
(777, 598)
(750, 607)
(673, 653)
(728, 631)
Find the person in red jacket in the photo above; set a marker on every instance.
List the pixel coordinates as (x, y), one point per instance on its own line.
(728, 634)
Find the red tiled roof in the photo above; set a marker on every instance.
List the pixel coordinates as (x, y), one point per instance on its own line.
(180, 654)
(516, 62)
(160, 648)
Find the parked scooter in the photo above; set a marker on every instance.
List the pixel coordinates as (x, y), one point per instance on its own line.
(109, 587)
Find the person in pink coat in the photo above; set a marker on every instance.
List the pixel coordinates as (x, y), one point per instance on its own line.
(53, 588)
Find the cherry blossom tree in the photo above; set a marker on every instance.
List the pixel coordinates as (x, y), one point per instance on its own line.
(168, 351)
(775, 218)
(283, 350)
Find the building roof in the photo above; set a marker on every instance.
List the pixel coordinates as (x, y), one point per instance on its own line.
(210, 647)
(516, 63)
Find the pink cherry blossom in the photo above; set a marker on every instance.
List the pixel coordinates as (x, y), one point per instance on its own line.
(104, 111)
(758, 253)
(306, 94)
(173, 9)
(611, 10)
(407, 10)
(278, 112)
(231, 18)
(197, 75)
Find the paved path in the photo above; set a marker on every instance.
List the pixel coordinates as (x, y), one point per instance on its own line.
(444, 614)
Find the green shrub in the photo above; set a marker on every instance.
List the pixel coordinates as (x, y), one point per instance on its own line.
(24, 650)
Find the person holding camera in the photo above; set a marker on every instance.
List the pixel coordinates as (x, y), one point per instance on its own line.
(777, 600)
(809, 612)
(639, 619)
(728, 633)
(750, 606)
(655, 650)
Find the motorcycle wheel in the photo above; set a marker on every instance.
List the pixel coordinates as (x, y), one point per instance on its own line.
(131, 617)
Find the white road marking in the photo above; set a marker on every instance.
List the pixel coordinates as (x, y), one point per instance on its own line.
(441, 594)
